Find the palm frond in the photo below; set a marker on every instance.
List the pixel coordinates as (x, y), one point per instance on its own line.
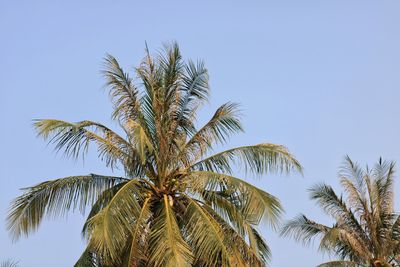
(55, 198)
(339, 264)
(75, 138)
(139, 235)
(122, 90)
(166, 245)
(303, 229)
(110, 227)
(206, 235)
(224, 122)
(258, 159)
(254, 202)
(194, 91)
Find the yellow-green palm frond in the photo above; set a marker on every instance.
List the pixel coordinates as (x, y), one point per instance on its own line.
(258, 159)
(247, 248)
(75, 138)
(206, 235)
(54, 198)
(140, 232)
(109, 228)
(340, 264)
(253, 202)
(166, 244)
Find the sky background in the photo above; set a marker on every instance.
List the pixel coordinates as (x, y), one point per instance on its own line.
(320, 77)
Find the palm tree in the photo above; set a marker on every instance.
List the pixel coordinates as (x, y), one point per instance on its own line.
(177, 205)
(366, 231)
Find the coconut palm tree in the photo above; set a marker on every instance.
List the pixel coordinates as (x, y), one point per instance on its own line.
(177, 204)
(366, 231)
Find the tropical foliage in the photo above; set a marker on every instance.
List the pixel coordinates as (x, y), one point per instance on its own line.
(9, 263)
(366, 231)
(177, 203)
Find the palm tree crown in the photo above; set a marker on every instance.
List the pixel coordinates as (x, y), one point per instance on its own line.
(177, 205)
(366, 231)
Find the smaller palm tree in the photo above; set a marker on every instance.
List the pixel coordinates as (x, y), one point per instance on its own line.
(366, 231)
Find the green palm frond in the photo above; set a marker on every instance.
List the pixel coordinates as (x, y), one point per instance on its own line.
(55, 198)
(340, 264)
(206, 235)
(254, 203)
(110, 227)
(75, 138)
(166, 245)
(258, 159)
(137, 247)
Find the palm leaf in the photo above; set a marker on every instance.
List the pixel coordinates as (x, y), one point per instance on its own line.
(139, 232)
(255, 203)
(75, 139)
(110, 227)
(258, 159)
(206, 235)
(166, 245)
(339, 264)
(55, 198)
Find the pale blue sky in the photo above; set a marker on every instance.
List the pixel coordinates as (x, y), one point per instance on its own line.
(321, 77)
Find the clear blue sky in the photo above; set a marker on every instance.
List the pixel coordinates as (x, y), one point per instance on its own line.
(321, 77)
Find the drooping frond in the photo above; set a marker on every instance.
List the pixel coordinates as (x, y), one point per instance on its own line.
(75, 138)
(102, 201)
(110, 228)
(303, 229)
(257, 159)
(336, 207)
(139, 234)
(206, 235)
(254, 202)
(166, 245)
(339, 264)
(55, 198)
(241, 252)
